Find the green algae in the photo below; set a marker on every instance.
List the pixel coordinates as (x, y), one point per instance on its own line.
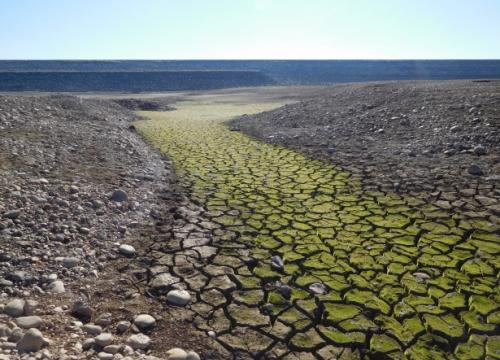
(364, 247)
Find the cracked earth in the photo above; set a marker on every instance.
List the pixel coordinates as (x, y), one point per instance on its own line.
(290, 257)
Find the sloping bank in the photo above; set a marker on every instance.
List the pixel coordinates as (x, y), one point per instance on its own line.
(297, 260)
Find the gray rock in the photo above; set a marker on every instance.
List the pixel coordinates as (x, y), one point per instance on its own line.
(92, 329)
(32, 341)
(127, 250)
(87, 344)
(163, 281)
(14, 308)
(277, 262)
(111, 349)
(105, 356)
(57, 287)
(479, 150)
(81, 310)
(12, 214)
(318, 288)
(16, 334)
(104, 339)
(119, 196)
(70, 262)
(5, 331)
(139, 342)
(28, 322)
(122, 326)
(144, 321)
(178, 297)
(30, 307)
(475, 170)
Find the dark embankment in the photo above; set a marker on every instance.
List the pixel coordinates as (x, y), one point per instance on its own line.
(130, 81)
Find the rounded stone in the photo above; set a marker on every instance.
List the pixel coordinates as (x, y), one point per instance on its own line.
(28, 322)
(32, 341)
(92, 329)
(144, 321)
(57, 287)
(176, 354)
(70, 262)
(139, 342)
(178, 297)
(105, 356)
(119, 196)
(127, 250)
(14, 308)
(104, 339)
(191, 355)
(475, 170)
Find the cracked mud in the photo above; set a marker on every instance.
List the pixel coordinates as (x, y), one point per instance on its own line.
(289, 257)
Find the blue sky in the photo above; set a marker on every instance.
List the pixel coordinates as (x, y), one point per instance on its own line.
(249, 29)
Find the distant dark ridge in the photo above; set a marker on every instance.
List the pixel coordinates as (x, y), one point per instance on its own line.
(286, 71)
(130, 81)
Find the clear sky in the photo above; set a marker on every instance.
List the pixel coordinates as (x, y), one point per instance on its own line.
(249, 29)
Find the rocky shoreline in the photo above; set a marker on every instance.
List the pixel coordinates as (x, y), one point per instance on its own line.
(80, 197)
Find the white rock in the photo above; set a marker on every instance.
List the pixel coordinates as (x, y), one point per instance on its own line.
(144, 321)
(14, 308)
(139, 342)
(28, 322)
(191, 355)
(104, 339)
(32, 341)
(127, 250)
(30, 307)
(176, 354)
(178, 297)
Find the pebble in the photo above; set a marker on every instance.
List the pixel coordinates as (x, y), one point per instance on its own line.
(191, 355)
(92, 329)
(144, 321)
(14, 308)
(88, 343)
(318, 288)
(479, 150)
(105, 356)
(5, 331)
(127, 250)
(32, 341)
(176, 354)
(81, 310)
(139, 342)
(104, 339)
(178, 297)
(475, 170)
(277, 262)
(70, 262)
(119, 196)
(111, 349)
(57, 287)
(28, 322)
(122, 326)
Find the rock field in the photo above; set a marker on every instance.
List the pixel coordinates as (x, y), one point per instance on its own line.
(80, 197)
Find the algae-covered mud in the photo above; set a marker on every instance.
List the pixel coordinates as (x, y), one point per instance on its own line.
(295, 260)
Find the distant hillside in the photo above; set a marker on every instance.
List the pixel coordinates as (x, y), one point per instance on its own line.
(130, 81)
(287, 71)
